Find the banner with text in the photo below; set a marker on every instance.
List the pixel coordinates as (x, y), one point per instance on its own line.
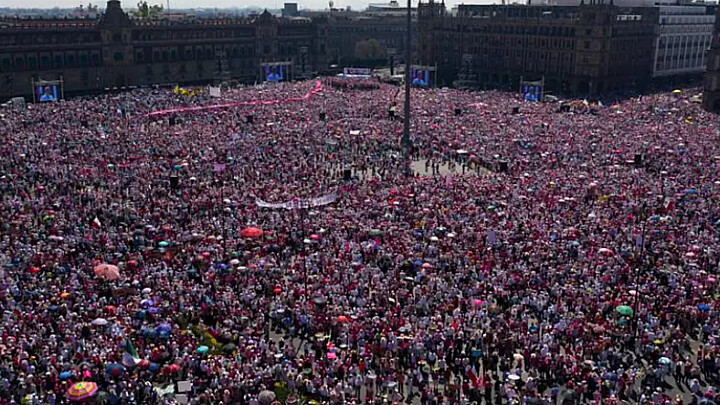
(299, 202)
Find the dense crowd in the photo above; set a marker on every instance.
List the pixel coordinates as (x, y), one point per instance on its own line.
(135, 253)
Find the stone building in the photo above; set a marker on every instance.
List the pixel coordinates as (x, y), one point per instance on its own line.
(711, 93)
(583, 49)
(117, 51)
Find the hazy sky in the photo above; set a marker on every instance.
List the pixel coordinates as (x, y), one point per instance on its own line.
(314, 4)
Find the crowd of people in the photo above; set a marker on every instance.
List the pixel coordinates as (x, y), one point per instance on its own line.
(284, 252)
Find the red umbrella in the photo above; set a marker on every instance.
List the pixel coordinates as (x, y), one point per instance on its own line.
(143, 364)
(342, 319)
(171, 369)
(251, 233)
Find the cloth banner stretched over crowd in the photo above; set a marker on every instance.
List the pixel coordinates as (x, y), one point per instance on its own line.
(215, 92)
(316, 89)
(299, 202)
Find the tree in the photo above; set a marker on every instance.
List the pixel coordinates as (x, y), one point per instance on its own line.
(146, 11)
(370, 49)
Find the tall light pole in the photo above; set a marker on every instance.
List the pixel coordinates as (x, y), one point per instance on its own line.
(408, 63)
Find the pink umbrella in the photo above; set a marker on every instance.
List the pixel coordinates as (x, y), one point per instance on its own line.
(605, 252)
(107, 272)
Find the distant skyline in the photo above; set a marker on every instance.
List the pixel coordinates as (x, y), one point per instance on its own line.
(271, 4)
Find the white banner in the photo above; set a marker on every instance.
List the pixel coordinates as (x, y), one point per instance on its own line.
(357, 71)
(299, 202)
(215, 91)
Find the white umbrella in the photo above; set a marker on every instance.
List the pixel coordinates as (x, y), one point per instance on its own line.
(99, 322)
(266, 397)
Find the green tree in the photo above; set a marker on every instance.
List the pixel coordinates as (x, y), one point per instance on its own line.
(370, 49)
(146, 11)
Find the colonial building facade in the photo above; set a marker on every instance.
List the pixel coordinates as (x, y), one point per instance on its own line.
(711, 93)
(585, 49)
(116, 51)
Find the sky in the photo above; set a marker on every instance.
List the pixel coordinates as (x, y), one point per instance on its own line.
(274, 4)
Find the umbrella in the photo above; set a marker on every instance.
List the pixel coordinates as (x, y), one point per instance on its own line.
(154, 367)
(107, 271)
(266, 397)
(375, 232)
(164, 327)
(82, 390)
(605, 252)
(114, 370)
(704, 307)
(65, 375)
(99, 322)
(229, 348)
(624, 310)
(514, 377)
(163, 243)
(171, 369)
(664, 360)
(677, 91)
(202, 349)
(342, 319)
(251, 233)
(143, 364)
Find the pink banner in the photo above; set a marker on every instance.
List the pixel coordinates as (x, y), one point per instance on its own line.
(316, 89)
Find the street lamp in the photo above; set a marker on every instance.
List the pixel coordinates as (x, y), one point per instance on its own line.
(408, 63)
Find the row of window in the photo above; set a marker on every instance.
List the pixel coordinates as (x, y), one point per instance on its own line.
(168, 35)
(173, 54)
(697, 63)
(48, 39)
(554, 31)
(10, 63)
(683, 41)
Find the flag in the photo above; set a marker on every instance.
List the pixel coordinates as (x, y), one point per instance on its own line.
(130, 357)
(130, 349)
(669, 205)
(473, 378)
(177, 89)
(96, 223)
